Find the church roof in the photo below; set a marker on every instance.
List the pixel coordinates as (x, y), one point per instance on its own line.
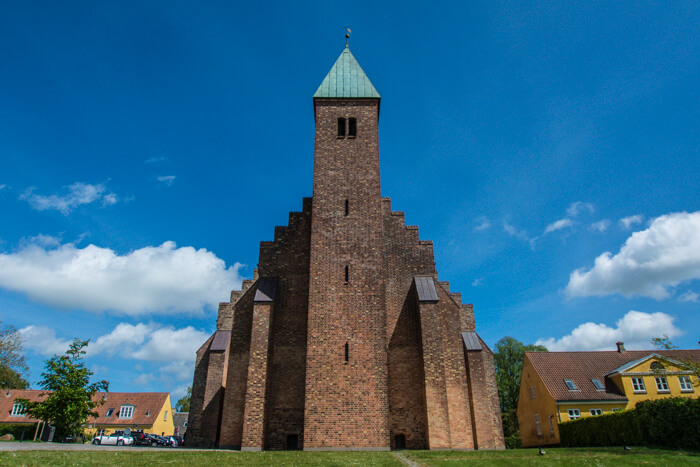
(346, 80)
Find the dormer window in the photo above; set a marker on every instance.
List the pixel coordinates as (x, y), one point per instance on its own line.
(571, 385)
(18, 410)
(109, 412)
(598, 385)
(126, 411)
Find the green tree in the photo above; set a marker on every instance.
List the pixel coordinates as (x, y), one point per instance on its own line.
(70, 400)
(664, 343)
(12, 363)
(183, 404)
(508, 359)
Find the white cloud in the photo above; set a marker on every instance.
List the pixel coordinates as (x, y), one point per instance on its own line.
(483, 224)
(558, 225)
(649, 263)
(74, 195)
(629, 221)
(577, 207)
(635, 329)
(143, 379)
(510, 230)
(161, 279)
(2, 186)
(170, 344)
(689, 296)
(153, 160)
(478, 282)
(43, 340)
(600, 226)
(167, 179)
(124, 336)
(180, 370)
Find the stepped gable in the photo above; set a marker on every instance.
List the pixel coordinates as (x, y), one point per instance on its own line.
(345, 337)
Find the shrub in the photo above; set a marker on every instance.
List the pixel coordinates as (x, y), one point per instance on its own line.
(672, 423)
(16, 431)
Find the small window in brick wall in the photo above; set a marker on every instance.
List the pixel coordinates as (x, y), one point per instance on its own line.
(347, 273)
(347, 352)
(352, 127)
(341, 127)
(347, 207)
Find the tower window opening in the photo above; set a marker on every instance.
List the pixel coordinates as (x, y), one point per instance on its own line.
(347, 207)
(347, 273)
(347, 352)
(352, 127)
(341, 127)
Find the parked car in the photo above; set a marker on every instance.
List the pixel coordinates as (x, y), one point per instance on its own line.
(173, 442)
(180, 440)
(158, 441)
(141, 438)
(115, 439)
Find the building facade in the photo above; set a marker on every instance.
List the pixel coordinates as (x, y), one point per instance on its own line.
(562, 386)
(147, 411)
(345, 338)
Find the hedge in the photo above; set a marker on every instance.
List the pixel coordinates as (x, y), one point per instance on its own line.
(672, 423)
(16, 431)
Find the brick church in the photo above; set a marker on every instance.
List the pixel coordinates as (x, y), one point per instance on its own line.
(345, 338)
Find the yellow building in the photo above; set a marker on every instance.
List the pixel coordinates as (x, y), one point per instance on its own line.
(561, 386)
(147, 411)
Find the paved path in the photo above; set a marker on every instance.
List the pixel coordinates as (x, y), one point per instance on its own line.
(405, 460)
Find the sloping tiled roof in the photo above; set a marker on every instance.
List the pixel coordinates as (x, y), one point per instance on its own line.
(147, 406)
(581, 367)
(7, 401)
(346, 80)
(143, 402)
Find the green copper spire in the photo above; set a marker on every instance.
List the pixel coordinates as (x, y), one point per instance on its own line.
(346, 79)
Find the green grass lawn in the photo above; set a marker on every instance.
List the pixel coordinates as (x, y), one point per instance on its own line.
(184, 457)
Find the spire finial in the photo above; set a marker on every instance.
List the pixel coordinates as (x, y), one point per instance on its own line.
(347, 35)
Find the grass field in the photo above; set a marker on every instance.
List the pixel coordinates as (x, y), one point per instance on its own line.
(578, 456)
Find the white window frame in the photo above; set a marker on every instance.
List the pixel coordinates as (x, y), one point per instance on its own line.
(532, 392)
(126, 411)
(685, 384)
(571, 385)
(574, 414)
(165, 417)
(595, 412)
(551, 424)
(18, 410)
(662, 384)
(538, 425)
(638, 385)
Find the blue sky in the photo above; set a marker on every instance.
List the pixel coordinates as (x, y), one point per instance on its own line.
(550, 151)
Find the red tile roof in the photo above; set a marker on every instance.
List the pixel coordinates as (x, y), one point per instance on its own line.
(147, 406)
(580, 367)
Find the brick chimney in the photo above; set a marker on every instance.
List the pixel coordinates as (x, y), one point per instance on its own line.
(620, 346)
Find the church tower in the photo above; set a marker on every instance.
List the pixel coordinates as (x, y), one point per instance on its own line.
(346, 364)
(345, 338)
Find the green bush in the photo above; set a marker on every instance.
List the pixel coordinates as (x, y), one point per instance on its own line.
(672, 423)
(513, 441)
(16, 431)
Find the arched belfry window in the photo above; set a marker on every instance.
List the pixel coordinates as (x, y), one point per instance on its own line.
(341, 127)
(352, 127)
(347, 273)
(347, 207)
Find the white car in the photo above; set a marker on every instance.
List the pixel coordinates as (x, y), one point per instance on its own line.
(115, 439)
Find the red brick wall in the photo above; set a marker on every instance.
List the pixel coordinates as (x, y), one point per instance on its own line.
(346, 402)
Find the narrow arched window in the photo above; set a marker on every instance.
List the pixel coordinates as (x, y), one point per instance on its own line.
(341, 127)
(347, 273)
(347, 207)
(352, 127)
(347, 352)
